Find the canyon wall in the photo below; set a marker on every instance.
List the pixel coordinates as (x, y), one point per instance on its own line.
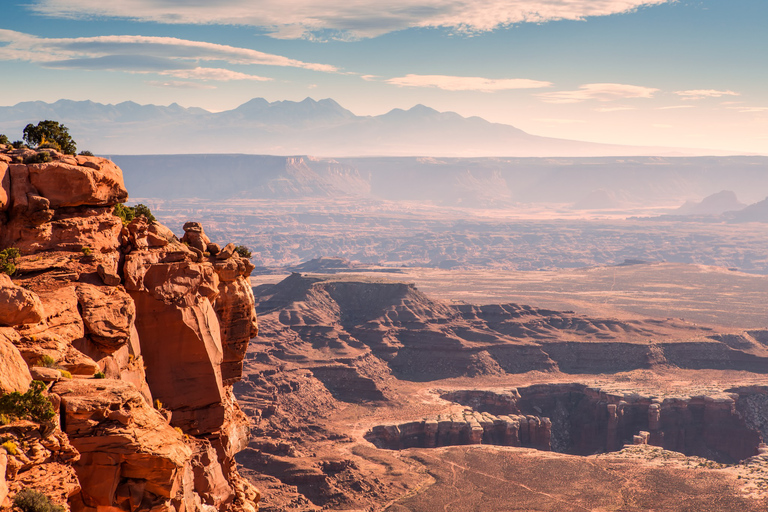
(137, 336)
(583, 420)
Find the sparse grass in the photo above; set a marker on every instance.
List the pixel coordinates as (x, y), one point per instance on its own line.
(10, 447)
(29, 500)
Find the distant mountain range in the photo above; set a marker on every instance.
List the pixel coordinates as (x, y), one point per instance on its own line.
(308, 127)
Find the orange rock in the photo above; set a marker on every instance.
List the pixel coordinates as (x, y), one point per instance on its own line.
(70, 185)
(108, 314)
(120, 438)
(234, 307)
(61, 325)
(95, 228)
(14, 373)
(181, 345)
(3, 483)
(17, 305)
(5, 186)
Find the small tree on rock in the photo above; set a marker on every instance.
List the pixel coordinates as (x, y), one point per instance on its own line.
(50, 132)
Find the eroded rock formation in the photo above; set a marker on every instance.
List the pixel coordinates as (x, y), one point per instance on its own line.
(152, 331)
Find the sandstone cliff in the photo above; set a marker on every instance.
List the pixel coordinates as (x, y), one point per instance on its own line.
(138, 337)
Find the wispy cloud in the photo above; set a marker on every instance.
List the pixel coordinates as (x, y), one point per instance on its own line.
(466, 83)
(700, 94)
(179, 84)
(142, 54)
(599, 92)
(749, 109)
(342, 19)
(218, 74)
(675, 107)
(614, 109)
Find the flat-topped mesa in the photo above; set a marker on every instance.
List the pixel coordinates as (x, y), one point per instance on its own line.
(166, 324)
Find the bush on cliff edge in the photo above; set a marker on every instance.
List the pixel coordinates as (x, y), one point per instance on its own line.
(32, 405)
(128, 213)
(50, 134)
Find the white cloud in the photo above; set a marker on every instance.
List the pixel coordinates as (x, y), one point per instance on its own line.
(599, 92)
(341, 19)
(177, 84)
(213, 74)
(700, 94)
(137, 53)
(465, 83)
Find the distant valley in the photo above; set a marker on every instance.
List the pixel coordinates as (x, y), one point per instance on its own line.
(501, 213)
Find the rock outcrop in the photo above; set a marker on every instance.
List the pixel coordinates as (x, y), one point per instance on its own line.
(152, 332)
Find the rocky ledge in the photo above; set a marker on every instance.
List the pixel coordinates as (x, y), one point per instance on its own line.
(137, 336)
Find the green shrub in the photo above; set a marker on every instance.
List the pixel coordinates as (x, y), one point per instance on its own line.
(4, 139)
(18, 144)
(243, 251)
(32, 405)
(124, 213)
(29, 500)
(8, 259)
(47, 361)
(50, 132)
(128, 213)
(5, 419)
(65, 374)
(142, 209)
(85, 153)
(39, 158)
(86, 251)
(99, 375)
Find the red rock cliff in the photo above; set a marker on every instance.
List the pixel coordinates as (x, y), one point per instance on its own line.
(165, 323)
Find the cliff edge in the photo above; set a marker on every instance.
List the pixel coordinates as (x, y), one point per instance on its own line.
(136, 337)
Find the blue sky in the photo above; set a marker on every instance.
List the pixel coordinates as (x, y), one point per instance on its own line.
(650, 72)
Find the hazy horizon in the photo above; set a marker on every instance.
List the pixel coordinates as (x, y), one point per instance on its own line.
(633, 72)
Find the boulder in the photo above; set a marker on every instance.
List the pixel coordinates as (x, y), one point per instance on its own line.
(107, 275)
(121, 440)
(45, 374)
(14, 374)
(226, 252)
(108, 314)
(70, 185)
(195, 236)
(17, 305)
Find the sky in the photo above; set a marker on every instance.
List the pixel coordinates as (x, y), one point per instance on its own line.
(679, 73)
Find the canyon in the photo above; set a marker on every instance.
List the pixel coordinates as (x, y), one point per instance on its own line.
(366, 386)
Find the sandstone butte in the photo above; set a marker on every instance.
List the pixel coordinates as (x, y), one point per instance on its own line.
(152, 330)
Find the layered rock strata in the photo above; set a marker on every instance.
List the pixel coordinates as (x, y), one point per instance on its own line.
(585, 420)
(152, 332)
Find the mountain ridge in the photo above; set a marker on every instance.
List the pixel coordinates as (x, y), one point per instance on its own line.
(318, 127)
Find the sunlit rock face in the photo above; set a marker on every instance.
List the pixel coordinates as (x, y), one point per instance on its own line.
(151, 331)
